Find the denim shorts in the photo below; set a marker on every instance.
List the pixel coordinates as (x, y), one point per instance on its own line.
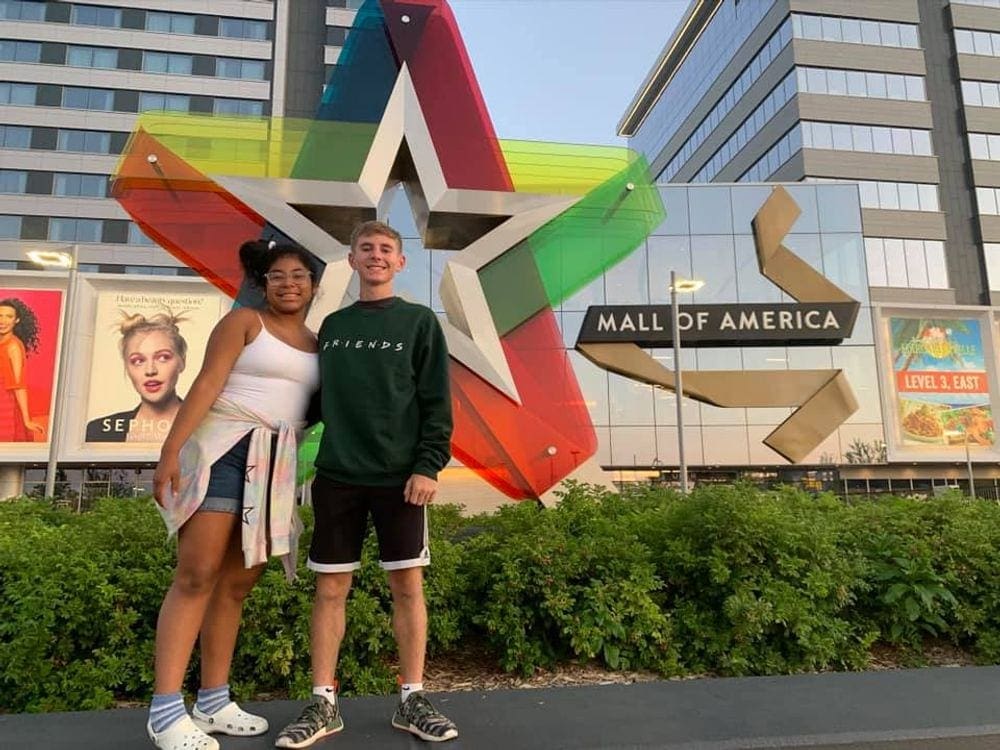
(225, 484)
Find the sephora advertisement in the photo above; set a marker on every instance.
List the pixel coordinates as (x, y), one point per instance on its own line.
(148, 348)
(29, 342)
(942, 377)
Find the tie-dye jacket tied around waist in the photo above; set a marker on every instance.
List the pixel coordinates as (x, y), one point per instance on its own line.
(226, 423)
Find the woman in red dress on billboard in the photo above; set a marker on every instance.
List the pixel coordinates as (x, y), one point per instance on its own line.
(18, 336)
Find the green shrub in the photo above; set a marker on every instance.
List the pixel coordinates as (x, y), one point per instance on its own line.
(728, 580)
(756, 581)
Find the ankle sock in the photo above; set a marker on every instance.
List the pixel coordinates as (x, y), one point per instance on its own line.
(408, 688)
(329, 692)
(211, 700)
(165, 711)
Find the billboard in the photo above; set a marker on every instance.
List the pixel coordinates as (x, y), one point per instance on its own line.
(941, 372)
(29, 342)
(147, 349)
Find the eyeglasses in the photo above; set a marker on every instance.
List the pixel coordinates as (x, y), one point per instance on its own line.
(277, 278)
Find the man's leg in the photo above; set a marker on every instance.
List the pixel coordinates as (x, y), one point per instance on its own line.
(329, 622)
(409, 622)
(341, 518)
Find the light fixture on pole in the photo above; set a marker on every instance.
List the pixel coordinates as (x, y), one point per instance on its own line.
(682, 286)
(68, 260)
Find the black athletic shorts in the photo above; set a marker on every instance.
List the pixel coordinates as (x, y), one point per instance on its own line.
(341, 512)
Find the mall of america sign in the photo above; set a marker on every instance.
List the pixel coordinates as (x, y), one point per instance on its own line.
(614, 336)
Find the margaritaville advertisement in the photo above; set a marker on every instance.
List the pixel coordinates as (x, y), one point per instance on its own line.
(941, 383)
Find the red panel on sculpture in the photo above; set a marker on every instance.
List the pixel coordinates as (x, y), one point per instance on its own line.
(510, 445)
(431, 46)
(185, 212)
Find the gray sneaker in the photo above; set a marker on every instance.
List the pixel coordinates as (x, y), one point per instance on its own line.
(319, 719)
(417, 716)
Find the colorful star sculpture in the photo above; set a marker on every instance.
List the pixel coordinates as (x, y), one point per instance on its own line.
(534, 222)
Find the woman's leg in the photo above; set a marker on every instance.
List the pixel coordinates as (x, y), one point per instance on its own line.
(222, 619)
(203, 544)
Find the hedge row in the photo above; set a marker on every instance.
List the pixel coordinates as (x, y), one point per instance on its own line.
(729, 580)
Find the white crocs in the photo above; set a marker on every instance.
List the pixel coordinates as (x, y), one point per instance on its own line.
(231, 720)
(182, 735)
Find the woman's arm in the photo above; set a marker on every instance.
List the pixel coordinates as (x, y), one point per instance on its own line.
(16, 356)
(224, 347)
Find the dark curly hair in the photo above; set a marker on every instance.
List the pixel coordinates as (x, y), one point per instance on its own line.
(257, 257)
(26, 327)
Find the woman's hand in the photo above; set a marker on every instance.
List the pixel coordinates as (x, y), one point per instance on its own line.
(166, 478)
(34, 426)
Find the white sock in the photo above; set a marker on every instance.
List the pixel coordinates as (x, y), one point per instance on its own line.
(326, 691)
(408, 688)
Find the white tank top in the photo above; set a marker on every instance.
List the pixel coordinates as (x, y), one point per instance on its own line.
(273, 378)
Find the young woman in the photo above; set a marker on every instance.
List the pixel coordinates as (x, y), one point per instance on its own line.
(154, 354)
(219, 491)
(18, 336)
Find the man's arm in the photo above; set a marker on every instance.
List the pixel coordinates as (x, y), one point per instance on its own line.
(434, 402)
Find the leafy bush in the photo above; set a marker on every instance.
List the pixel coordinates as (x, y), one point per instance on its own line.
(728, 580)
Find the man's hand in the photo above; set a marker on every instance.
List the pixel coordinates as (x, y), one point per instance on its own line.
(420, 490)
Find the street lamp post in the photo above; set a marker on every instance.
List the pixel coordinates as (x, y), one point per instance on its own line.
(68, 260)
(968, 466)
(680, 285)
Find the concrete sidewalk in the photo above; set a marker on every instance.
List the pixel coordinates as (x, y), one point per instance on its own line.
(928, 709)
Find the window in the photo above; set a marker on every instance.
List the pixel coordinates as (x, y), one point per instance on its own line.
(10, 227)
(904, 196)
(80, 185)
(984, 146)
(774, 101)
(11, 51)
(92, 57)
(17, 93)
(13, 136)
(987, 200)
(13, 180)
(91, 15)
(80, 98)
(241, 28)
(75, 230)
(867, 138)
(778, 41)
(970, 42)
(164, 102)
(163, 62)
(14, 10)
(170, 23)
(991, 251)
(912, 264)
(854, 31)
(137, 237)
(859, 83)
(84, 141)
(788, 145)
(232, 68)
(238, 107)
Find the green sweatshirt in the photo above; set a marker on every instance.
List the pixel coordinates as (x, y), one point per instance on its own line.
(384, 392)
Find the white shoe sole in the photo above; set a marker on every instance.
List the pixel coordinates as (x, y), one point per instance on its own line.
(422, 735)
(309, 740)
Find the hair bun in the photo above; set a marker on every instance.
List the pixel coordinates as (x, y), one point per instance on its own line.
(254, 257)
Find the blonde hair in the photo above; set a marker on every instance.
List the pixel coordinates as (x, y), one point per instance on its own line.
(164, 322)
(368, 228)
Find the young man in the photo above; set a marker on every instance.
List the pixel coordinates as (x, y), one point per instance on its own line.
(385, 402)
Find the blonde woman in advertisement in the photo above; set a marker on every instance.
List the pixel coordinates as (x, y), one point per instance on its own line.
(225, 484)
(18, 336)
(154, 354)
